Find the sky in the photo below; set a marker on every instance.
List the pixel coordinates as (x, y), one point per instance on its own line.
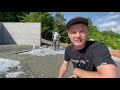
(103, 20)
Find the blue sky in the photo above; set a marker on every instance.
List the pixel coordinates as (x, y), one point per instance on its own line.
(103, 20)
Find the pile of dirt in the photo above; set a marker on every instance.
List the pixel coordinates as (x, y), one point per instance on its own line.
(64, 45)
(115, 53)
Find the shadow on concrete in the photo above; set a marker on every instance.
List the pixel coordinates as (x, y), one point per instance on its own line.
(5, 36)
(1, 33)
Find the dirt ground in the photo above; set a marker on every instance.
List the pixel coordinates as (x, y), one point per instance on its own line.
(115, 53)
(40, 66)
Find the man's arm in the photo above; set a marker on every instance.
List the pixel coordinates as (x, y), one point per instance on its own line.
(59, 37)
(63, 69)
(103, 71)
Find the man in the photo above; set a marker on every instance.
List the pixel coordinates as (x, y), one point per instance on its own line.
(56, 38)
(91, 59)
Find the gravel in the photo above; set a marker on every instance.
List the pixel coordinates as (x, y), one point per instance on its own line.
(44, 51)
(9, 67)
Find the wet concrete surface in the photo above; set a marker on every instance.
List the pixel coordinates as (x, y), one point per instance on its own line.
(37, 66)
(34, 66)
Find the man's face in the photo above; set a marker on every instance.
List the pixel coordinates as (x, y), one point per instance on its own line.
(78, 34)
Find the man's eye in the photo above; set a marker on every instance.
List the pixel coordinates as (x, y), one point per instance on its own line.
(73, 32)
(82, 32)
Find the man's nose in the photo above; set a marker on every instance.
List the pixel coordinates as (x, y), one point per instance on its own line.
(78, 34)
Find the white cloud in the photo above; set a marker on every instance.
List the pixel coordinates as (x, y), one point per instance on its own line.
(114, 26)
(99, 19)
(116, 29)
(110, 16)
(112, 12)
(113, 17)
(108, 24)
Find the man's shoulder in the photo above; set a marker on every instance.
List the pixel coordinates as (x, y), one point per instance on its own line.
(95, 43)
(98, 45)
(69, 47)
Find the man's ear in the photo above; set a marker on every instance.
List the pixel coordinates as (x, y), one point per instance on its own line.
(67, 34)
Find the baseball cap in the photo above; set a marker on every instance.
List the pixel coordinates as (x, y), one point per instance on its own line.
(77, 19)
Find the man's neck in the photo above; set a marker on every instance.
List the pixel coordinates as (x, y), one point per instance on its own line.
(80, 47)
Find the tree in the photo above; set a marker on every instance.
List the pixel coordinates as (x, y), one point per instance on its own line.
(11, 16)
(112, 39)
(46, 20)
(94, 33)
(60, 26)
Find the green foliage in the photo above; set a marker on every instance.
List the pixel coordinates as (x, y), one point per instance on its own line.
(110, 38)
(46, 21)
(59, 25)
(11, 16)
(51, 23)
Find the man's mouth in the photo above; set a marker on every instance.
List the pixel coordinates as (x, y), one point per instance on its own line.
(78, 40)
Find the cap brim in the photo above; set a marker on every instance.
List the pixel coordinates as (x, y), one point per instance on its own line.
(77, 20)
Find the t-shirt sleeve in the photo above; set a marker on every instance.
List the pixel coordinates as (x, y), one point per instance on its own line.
(66, 56)
(101, 55)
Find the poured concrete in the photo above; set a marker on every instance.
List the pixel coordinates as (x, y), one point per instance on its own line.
(20, 33)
